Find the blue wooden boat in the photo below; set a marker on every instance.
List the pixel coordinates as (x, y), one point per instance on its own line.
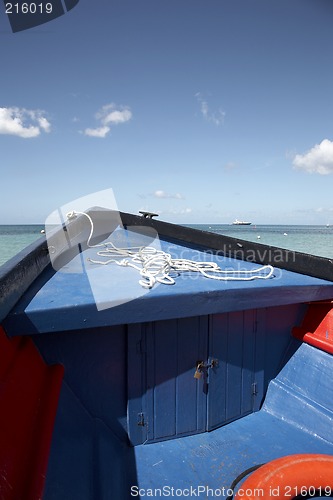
(113, 390)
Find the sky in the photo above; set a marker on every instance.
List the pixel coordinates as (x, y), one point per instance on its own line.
(203, 111)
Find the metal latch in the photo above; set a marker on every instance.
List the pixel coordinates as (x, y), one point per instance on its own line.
(201, 366)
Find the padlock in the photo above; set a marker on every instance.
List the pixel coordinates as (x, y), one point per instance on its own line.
(198, 373)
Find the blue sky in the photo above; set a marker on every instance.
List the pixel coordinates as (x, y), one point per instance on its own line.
(201, 110)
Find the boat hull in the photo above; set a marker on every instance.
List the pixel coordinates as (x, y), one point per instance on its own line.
(185, 386)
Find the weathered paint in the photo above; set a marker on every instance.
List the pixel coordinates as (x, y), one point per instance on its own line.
(64, 301)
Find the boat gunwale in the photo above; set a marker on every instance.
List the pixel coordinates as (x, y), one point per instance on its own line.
(258, 253)
(18, 273)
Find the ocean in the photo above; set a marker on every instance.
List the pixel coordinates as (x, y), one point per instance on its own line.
(316, 240)
(14, 238)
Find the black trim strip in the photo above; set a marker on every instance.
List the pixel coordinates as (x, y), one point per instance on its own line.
(298, 262)
(17, 274)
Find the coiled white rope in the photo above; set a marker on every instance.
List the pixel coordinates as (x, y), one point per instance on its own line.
(157, 266)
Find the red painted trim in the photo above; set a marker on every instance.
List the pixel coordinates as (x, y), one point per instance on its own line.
(29, 393)
(317, 326)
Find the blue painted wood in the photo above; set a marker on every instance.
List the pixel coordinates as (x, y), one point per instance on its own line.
(302, 393)
(232, 342)
(151, 394)
(218, 347)
(108, 394)
(191, 345)
(44, 309)
(279, 344)
(162, 370)
(249, 357)
(172, 402)
(136, 419)
(297, 417)
(234, 366)
(96, 463)
(95, 370)
(248, 362)
(214, 459)
(260, 355)
(87, 460)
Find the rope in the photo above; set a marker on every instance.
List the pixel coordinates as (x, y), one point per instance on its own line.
(157, 266)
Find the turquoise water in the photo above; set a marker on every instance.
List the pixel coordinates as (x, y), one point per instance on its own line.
(317, 240)
(14, 238)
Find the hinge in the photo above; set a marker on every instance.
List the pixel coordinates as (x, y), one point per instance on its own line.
(141, 419)
(254, 389)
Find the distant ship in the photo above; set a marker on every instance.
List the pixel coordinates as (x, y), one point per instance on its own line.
(241, 223)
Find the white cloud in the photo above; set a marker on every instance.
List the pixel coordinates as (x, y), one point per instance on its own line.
(215, 117)
(44, 124)
(23, 123)
(97, 132)
(110, 114)
(318, 159)
(162, 194)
